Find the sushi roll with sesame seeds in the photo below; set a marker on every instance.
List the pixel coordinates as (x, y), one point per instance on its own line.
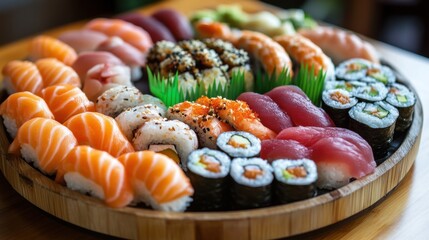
(251, 183)
(208, 171)
(239, 144)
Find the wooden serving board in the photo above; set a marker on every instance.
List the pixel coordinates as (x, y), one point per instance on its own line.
(271, 222)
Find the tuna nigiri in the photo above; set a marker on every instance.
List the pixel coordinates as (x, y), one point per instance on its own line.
(157, 180)
(130, 33)
(87, 60)
(22, 76)
(55, 72)
(66, 101)
(99, 131)
(96, 172)
(21, 107)
(45, 142)
(49, 47)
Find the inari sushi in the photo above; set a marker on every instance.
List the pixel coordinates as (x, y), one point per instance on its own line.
(44, 142)
(99, 131)
(96, 172)
(21, 107)
(157, 180)
(66, 101)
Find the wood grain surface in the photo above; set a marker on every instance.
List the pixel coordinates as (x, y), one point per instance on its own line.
(402, 214)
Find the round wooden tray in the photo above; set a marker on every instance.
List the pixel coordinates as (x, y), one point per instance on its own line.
(271, 222)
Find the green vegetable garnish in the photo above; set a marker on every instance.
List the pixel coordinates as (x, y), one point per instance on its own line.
(287, 175)
(377, 112)
(265, 82)
(373, 92)
(379, 77)
(312, 85)
(401, 98)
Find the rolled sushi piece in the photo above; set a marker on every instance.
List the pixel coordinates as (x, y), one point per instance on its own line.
(373, 92)
(115, 100)
(295, 180)
(251, 183)
(375, 122)
(381, 74)
(208, 171)
(349, 86)
(337, 103)
(352, 69)
(404, 100)
(239, 144)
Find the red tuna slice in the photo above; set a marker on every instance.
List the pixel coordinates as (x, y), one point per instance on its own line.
(308, 136)
(277, 149)
(298, 106)
(339, 161)
(268, 111)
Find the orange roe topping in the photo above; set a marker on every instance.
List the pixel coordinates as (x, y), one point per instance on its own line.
(337, 96)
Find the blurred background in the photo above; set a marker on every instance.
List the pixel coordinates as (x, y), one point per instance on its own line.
(402, 23)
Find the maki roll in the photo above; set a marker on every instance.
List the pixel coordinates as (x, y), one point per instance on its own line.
(337, 103)
(208, 171)
(373, 92)
(295, 180)
(239, 144)
(251, 183)
(381, 74)
(375, 122)
(404, 100)
(352, 69)
(349, 86)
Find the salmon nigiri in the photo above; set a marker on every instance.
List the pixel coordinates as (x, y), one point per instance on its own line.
(22, 76)
(98, 173)
(45, 142)
(99, 131)
(130, 33)
(55, 72)
(157, 180)
(49, 47)
(66, 101)
(21, 107)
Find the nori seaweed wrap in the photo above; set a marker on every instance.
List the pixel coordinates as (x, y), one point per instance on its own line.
(251, 183)
(349, 86)
(239, 144)
(337, 103)
(208, 171)
(352, 69)
(404, 100)
(295, 180)
(375, 122)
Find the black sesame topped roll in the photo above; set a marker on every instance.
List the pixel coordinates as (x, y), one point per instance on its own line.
(295, 180)
(375, 122)
(349, 86)
(251, 183)
(352, 69)
(337, 103)
(208, 171)
(404, 100)
(239, 144)
(379, 73)
(373, 92)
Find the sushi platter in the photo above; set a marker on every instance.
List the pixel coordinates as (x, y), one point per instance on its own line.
(223, 122)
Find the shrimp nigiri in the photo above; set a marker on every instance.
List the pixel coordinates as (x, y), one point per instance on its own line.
(307, 53)
(239, 115)
(157, 180)
(45, 142)
(49, 47)
(206, 126)
(22, 76)
(21, 107)
(341, 45)
(129, 32)
(66, 101)
(99, 131)
(55, 72)
(96, 172)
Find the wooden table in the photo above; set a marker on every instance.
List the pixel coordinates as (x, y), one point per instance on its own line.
(403, 214)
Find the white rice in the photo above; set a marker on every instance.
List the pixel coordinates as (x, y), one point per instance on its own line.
(10, 125)
(113, 101)
(223, 159)
(252, 150)
(332, 175)
(359, 115)
(237, 171)
(77, 182)
(282, 164)
(326, 96)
